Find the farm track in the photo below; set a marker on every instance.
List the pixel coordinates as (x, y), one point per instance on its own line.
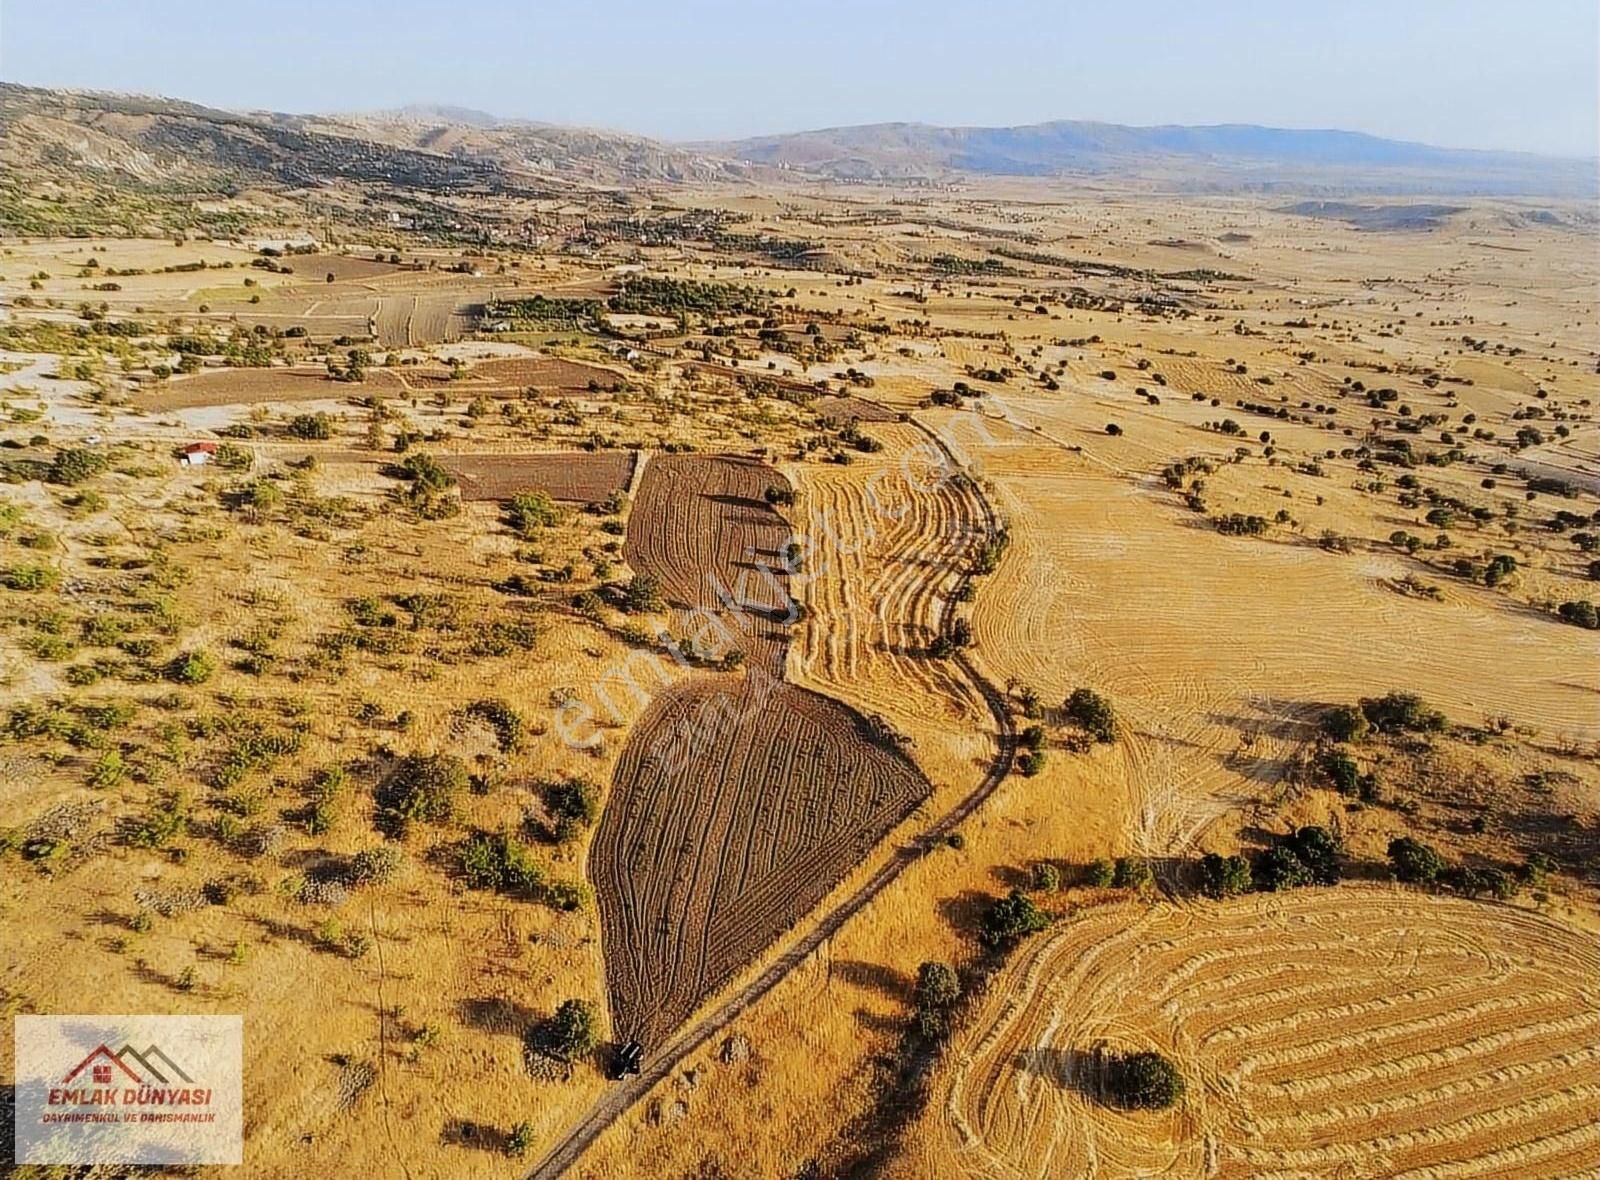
(663, 1059)
(1365, 1028)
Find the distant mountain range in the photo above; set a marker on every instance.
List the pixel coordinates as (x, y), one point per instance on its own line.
(166, 143)
(1230, 156)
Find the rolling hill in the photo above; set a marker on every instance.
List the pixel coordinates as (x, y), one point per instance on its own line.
(1233, 156)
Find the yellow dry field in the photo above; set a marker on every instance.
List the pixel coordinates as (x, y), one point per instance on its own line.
(1350, 1032)
(1220, 651)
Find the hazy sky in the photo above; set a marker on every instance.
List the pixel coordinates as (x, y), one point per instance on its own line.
(1460, 73)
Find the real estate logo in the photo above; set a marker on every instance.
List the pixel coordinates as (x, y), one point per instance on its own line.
(169, 1093)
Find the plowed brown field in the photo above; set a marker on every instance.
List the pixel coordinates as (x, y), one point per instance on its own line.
(573, 476)
(1348, 1032)
(229, 387)
(739, 801)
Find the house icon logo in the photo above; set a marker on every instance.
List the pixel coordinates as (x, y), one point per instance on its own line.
(107, 1068)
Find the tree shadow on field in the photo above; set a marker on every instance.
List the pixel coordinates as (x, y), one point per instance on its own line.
(1011, 877)
(1070, 1069)
(733, 501)
(886, 981)
(8, 1125)
(495, 1014)
(466, 1133)
(964, 912)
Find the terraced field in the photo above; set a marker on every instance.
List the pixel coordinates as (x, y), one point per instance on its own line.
(1349, 1032)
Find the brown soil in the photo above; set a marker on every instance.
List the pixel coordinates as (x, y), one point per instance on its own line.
(572, 476)
(227, 387)
(739, 802)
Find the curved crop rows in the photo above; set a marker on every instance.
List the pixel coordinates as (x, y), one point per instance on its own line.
(739, 801)
(736, 810)
(883, 555)
(1357, 1031)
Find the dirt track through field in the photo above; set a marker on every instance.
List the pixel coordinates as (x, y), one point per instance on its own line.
(1358, 1030)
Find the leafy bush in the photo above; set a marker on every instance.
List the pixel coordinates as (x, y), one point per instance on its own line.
(73, 465)
(31, 578)
(1224, 876)
(506, 722)
(501, 863)
(1142, 1081)
(1342, 771)
(1093, 713)
(1100, 873)
(424, 787)
(374, 866)
(1045, 877)
(191, 667)
(1010, 918)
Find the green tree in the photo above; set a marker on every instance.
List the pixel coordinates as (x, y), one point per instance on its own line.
(937, 990)
(1010, 918)
(1093, 713)
(572, 1033)
(311, 426)
(1142, 1081)
(1132, 872)
(1224, 876)
(1414, 862)
(642, 594)
(1345, 723)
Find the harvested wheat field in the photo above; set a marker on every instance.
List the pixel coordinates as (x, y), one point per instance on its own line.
(550, 373)
(576, 477)
(842, 409)
(885, 544)
(1364, 1031)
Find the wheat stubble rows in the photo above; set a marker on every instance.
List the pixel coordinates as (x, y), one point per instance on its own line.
(1350, 1032)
